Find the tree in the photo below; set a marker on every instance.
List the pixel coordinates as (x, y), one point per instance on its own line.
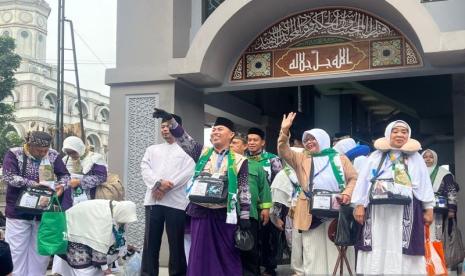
(9, 63)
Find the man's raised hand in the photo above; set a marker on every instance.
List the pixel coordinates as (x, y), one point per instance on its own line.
(161, 114)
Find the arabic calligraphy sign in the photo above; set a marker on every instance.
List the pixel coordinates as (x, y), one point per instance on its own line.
(325, 41)
(303, 61)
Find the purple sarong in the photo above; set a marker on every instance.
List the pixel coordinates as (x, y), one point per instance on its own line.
(212, 244)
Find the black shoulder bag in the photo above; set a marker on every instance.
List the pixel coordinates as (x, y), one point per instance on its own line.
(384, 190)
(35, 199)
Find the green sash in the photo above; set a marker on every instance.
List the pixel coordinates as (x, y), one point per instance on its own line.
(433, 174)
(232, 182)
(331, 153)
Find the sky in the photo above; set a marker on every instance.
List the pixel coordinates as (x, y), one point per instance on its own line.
(95, 36)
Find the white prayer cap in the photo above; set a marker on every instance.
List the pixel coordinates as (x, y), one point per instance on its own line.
(321, 137)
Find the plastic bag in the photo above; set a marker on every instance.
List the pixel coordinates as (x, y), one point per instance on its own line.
(133, 265)
(243, 239)
(347, 227)
(453, 245)
(434, 256)
(52, 234)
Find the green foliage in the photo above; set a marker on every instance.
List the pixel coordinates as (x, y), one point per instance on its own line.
(9, 63)
(8, 139)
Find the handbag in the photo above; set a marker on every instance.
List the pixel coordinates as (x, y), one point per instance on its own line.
(434, 256)
(347, 228)
(440, 204)
(325, 204)
(33, 200)
(210, 191)
(455, 252)
(385, 190)
(52, 236)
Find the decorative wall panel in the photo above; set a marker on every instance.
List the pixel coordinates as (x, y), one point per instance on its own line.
(141, 132)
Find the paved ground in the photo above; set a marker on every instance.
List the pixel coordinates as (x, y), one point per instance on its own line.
(282, 270)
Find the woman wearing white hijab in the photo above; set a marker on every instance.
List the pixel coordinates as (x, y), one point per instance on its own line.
(356, 153)
(88, 170)
(331, 172)
(96, 230)
(443, 185)
(392, 239)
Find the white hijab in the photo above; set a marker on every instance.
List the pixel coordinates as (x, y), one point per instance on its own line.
(344, 145)
(75, 143)
(441, 171)
(321, 137)
(421, 183)
(324, 177)
(282, 188)
(90, 222)
(390, 126)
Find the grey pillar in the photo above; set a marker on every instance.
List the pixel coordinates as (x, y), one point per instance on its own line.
(458, 102)
(327, 110)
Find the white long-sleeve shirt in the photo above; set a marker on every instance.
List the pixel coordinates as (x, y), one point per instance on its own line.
(168, 162)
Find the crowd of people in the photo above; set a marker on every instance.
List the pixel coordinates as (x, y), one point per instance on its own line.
(233, 208)
(96, 228)
(292, 200)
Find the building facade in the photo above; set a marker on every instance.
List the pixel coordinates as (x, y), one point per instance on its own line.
(345, 65)
(34, 96)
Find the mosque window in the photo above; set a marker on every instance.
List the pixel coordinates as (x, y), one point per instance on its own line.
(50, 102)
(210, 6)
(75, 110)
(104, 115)
(40, 38)
(6, 33)
(24, 34)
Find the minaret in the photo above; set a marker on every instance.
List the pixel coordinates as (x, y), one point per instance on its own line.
(26, 22)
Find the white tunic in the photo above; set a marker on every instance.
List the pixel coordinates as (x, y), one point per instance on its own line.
(386, 256)
(168, 162)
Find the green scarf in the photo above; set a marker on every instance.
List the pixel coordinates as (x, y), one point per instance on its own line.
(232, 182)
(263, 158)
(331, 153)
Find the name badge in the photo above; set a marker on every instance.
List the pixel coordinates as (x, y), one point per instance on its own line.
(199, 188)
(322, 202)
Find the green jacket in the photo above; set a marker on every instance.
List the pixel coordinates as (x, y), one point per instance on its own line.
(259, 189)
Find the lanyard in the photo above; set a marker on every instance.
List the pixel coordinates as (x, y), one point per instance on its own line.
(320, 171)
(219, 160)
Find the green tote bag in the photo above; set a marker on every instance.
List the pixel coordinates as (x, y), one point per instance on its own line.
(52, 235)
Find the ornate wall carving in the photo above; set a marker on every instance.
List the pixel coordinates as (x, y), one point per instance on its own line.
(325, 41)
(141, 132)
